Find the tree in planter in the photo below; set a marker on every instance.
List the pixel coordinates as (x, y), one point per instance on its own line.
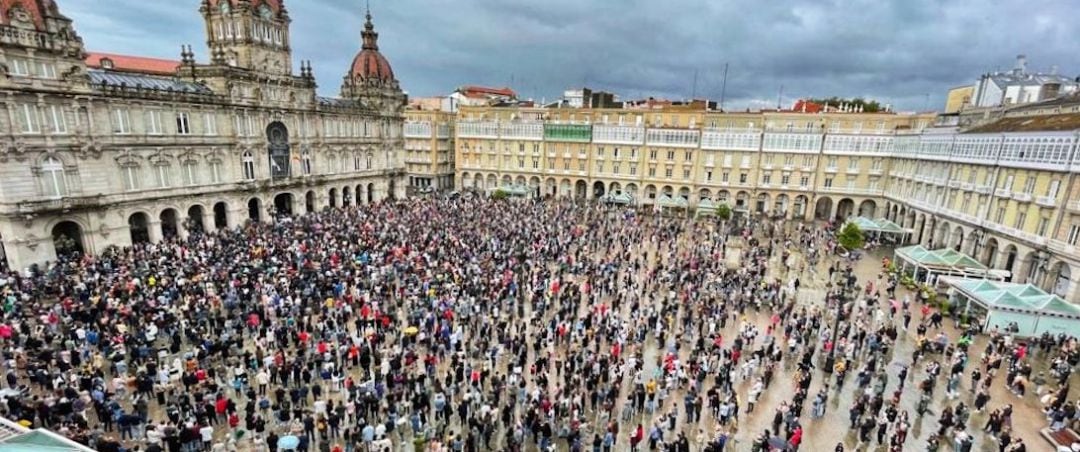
(723, 212)
(851, 237)
(500, 194)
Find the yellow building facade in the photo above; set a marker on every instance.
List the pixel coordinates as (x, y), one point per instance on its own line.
(429, 149)
(1006, 195)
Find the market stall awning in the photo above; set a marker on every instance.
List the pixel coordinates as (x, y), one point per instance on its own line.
(942, 258)
(667, 201)
(621, 198)
(514, 190)
(880, 225)
(706, 207)
(1014, 297)
(16, 438)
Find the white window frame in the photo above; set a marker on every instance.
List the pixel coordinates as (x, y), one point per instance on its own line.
(54, 179)
(210, 124)
(183, 123)
(248, 164)
(31, 119)
(153, 122)
(57, 120)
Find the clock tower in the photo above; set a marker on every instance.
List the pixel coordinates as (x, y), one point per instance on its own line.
(249, 34)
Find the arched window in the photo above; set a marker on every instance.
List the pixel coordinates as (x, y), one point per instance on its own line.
(249, 166)
(54, 181)
(356, 162)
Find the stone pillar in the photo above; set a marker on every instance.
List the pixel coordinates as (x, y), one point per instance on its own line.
(235, 217)
(154, 230)
(181, 229)
(208, 220)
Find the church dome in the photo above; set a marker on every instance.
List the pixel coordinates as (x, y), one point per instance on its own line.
(369, 64)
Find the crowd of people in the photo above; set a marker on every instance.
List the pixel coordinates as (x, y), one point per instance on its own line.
(475, 324)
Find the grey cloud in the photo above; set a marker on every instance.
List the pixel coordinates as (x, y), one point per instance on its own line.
(897, 51)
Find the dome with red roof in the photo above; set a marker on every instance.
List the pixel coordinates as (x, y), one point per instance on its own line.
(369, 64)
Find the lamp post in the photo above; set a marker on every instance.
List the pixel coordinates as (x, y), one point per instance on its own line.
(841, 296)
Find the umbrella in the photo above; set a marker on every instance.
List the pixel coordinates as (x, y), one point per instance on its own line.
(411, 330)
(778, 443)
(288, 442)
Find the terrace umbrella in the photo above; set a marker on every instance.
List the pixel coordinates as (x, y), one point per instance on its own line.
(288, 442)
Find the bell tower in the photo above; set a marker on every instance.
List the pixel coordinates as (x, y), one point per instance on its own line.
(249, 34)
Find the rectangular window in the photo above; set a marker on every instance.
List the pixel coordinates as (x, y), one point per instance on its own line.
(686, 174)
(652, 171)
(1052, 190)
(1029, 185)
(1074, 234)
(30, 121)
(804, 181)
(742, 178)
(162, 176)
(153, 122)
(853, 163)
(1000, 216)
(191, 173)
(828, 182)
(688, 156)
(785, 180)
(671, 156)
(1021, 218)
(708, 176)
(46, 70)
(210, 124)
(633, 170)
(131, 177)
(57, 120)
(1044, 224)
(766, 179)
(724, 177)
(183, 127)
(667, 173)
(19, 67)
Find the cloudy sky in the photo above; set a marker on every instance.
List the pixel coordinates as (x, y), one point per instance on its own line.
(903, 52)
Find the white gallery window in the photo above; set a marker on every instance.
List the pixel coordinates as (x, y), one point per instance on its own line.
(305, 163)
(46, 70)
(249, 166)
(20, 67)
(54, 181)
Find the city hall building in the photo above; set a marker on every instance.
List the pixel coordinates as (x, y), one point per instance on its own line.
(103, 150)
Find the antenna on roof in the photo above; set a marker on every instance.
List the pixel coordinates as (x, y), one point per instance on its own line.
(723, 88)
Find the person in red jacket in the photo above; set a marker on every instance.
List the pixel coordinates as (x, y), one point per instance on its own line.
(635, 439)
(796, 437)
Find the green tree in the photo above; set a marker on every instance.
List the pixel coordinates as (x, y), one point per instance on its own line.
(851, 237)
(723, 211)
(500, 194)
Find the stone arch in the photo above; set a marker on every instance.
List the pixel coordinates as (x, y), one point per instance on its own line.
(254, 210)
(667, 190)
(195, 215)
(221, 215)
(68, 239)
(598, 189)
(684, 193)
(283, 204)
(346, 196)
(650, 192)
(762, 203)
(867, 208)
(844, 209)
(581, 189)
(704, 193)
(1009, 261)
(780, 206)
(370, 192)
(139, 227)
(615, 188)
(309, 201)
(956, 240)
(466, 179)
(492, 182)
(358, 194)
(799, 207)
(941, 235)
(989, 253)
(1029, 268)
(631, 189)
(564, 188)
(723, 197)
(742, 201)
(170, 223)
(1060, 279)
(551, 187)
(823, 208)
(520, 181)
(920, 227)
(534, 186)
(507, 180)
(332, 197)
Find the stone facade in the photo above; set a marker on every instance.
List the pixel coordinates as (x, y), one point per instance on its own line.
(115, 151)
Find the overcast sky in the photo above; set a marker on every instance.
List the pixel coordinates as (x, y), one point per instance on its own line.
(895, 51)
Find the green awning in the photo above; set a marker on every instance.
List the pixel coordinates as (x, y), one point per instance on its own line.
(1014, 297)
(945, 257)
(667, 201)
(879, 225)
